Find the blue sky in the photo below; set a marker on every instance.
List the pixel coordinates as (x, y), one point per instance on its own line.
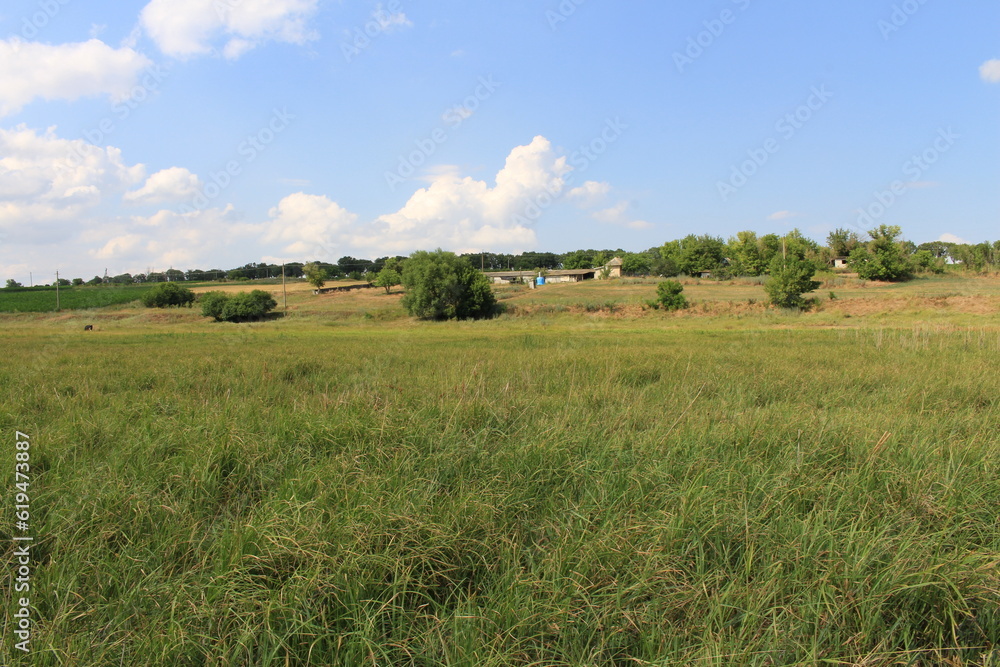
(210, 133)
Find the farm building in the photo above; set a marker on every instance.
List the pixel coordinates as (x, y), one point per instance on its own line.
(839, 262)
(510, 277)
(614, 268)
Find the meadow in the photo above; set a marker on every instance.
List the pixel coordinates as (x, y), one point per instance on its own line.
(579, 481)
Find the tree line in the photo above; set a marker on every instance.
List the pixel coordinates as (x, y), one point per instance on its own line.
(881, 254)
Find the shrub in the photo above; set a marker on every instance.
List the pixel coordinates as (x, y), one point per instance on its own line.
(237, 307)
(441, 285)
(212, 304)
(669, 296)
(168, 294)
(790, 279)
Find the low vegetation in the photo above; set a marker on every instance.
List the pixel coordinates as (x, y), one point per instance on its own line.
(168, 294)
(239, 307)
(669, 296)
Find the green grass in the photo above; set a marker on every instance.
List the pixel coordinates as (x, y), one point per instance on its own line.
(43, 299)
(562, 489)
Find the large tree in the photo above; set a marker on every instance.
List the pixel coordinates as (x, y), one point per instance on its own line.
(701, 253)
(440, 286)
(843, 242)
(883, 258)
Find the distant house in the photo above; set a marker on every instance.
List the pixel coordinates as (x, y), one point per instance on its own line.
(839, 262)
(614, 268)
(511, 277)
(570, 275)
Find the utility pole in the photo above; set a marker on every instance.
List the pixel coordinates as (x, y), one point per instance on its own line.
(31, 283)
(57, 291)
(482, 261)
(284, 291)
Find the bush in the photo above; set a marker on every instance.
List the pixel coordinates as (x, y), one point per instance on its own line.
(212, 304)
(669, 296)
(168, 294)
(237, 307)
(440, 286)
(790, 279)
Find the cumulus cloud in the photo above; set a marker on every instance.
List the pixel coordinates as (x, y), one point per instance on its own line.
(186, 28)
(990, 71)
(453, 211)
(30, 70)
(307, 225)
(175, 184)
(44, 178)
(169, 238)
(951, 238)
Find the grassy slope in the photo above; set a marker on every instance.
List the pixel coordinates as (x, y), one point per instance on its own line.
(348, 487)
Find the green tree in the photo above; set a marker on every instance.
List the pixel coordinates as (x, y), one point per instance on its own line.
(924, 260)
(790, 278)
(843, 242)
(883, 258)
(11, 284)
(168, 294)
(578, 259)
(745, 257)
(636, 263)
(440, 285)
(669, 295)
(701, 253)
(388, 278)
(77, 282)
(315, 274)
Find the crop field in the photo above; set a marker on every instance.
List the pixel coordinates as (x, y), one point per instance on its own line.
(43, 299)
(579, 481)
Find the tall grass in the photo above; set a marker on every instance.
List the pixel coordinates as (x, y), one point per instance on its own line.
(497, 494)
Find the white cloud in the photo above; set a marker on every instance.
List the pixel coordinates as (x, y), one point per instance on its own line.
(782, 215)
(185, 28)
(455, 212)
(175, 184)
(309, 226)
(168, 238)
(590, 194)
(30, 70)
(618, 215)
(951, 238)
(990, 71)
(44, 178)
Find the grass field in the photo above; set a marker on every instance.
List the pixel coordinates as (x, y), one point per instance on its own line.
(572, 483)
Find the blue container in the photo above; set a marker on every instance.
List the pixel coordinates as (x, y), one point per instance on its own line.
(540, 280)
